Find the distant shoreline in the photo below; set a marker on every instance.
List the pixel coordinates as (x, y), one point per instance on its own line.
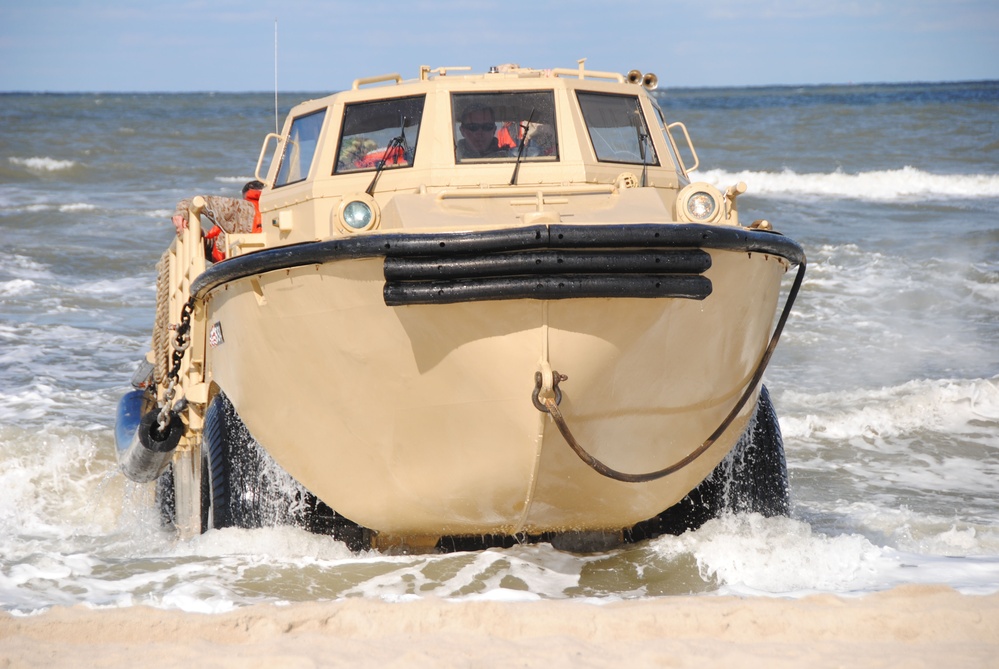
(663, 87)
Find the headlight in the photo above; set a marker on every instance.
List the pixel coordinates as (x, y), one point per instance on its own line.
(699, 203)
(357, 213)
(701, 206)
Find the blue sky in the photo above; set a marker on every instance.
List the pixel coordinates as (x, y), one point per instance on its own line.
(188, 45)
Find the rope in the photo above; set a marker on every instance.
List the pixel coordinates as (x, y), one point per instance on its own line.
(161, 335)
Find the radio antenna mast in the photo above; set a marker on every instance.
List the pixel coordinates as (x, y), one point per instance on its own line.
(276, 128)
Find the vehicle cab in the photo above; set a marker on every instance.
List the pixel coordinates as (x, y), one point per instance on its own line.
(452, 151)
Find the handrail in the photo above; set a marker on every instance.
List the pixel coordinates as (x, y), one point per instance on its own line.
(426, 71)
(263, 149)
(588, 74)
(397, 78)
(690, 145)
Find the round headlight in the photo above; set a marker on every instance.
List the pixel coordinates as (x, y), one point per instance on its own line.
(699, 202)
(701, 206)
(357, 215)
(357, 212)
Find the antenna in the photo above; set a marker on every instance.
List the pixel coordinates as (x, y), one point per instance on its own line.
(276, 128)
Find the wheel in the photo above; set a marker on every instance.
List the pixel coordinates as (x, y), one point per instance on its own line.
(751, 479)
(166, 498)
(248, 489)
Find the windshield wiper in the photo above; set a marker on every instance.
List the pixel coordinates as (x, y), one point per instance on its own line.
(520, 151)
(643, 139)
(395, 143)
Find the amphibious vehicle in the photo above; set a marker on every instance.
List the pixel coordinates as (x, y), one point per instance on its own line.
(481, 308)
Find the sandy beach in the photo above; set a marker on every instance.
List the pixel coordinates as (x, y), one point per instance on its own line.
(913, 626)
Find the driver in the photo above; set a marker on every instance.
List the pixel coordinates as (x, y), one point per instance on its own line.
(478, 131)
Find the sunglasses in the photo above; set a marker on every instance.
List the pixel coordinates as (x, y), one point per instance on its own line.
(476, 127)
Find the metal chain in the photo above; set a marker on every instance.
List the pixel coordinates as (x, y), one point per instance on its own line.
(180, 345)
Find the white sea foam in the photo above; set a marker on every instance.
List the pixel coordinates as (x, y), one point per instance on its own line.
(753, 555)
(955, 406)
(284, 542)
(125, 287)
(776, 556)
(48, 481)
(921, 532)
(77, 206)
(42, 164)
(907, 183)
(16, 287)
(22, 267)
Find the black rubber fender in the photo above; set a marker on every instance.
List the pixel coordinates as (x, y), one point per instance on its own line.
(151, 450)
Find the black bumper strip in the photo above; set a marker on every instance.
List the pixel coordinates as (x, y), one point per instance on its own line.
(687, 261)
(546, 288)
(436, 247)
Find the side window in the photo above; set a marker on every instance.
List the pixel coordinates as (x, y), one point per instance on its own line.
(617, 128)
(490, 127)
(376, 132)
(300, 148)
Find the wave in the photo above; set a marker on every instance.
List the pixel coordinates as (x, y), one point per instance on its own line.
(16, 287)
(905, 184)
(234, 180)
(943, 406)
(43, 164)
(753, 555)
(77, 206)
(23, 266)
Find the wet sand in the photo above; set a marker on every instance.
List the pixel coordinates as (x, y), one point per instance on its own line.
(912, 626)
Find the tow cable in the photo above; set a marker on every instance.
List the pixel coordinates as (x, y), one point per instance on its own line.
(553, 397)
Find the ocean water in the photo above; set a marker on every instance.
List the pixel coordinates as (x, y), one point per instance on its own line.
(886, 379)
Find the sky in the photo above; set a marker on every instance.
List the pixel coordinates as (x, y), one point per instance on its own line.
(323, 45)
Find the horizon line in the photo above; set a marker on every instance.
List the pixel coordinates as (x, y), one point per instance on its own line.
(914, 82)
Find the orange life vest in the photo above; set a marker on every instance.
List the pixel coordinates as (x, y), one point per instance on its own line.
(508, 137)
(253, 196)
(217, 253)
(392, 156)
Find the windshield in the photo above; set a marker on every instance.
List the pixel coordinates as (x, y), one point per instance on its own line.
(617, 128)
(375, 132)
(496, 127)
(300, 148)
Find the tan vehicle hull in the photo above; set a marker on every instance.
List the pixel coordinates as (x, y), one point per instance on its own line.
(418, 420)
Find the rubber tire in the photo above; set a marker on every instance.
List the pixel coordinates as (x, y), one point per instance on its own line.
(751, 479)
(166, 498)
(233, 466)
(249, 489)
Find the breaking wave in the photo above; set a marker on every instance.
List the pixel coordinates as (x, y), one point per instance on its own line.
(907, 183)
(43, 164)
